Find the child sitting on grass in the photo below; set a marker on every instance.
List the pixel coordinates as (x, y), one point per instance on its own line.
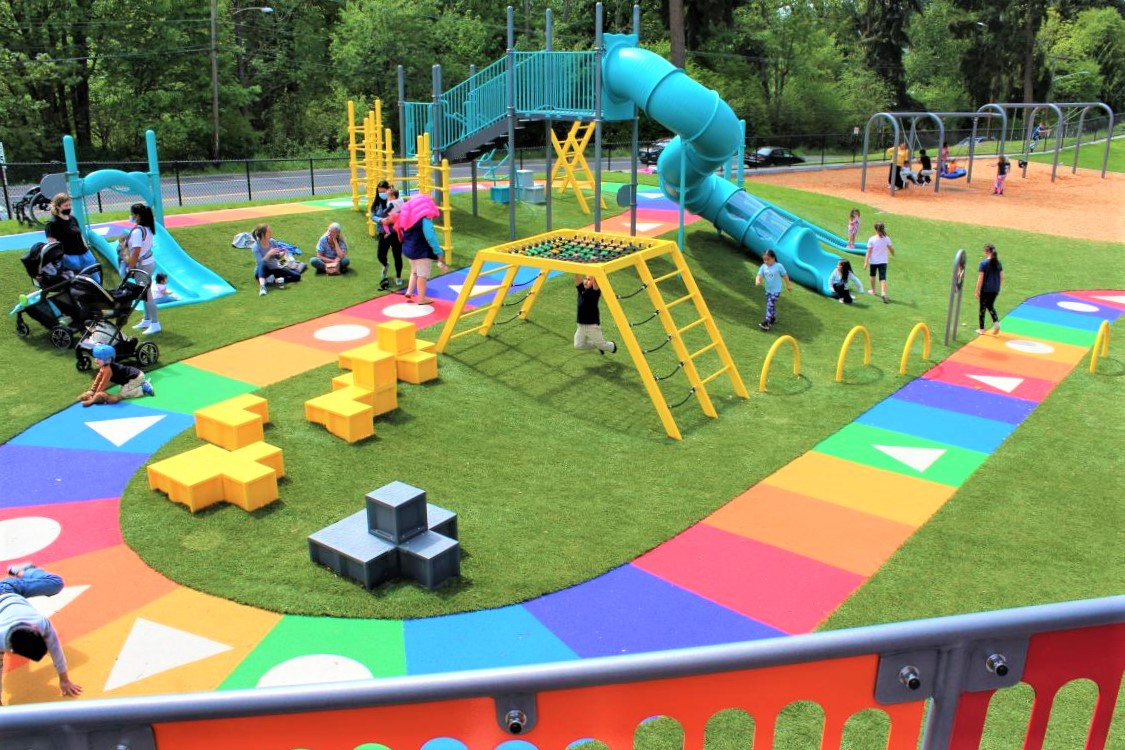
(133, 382)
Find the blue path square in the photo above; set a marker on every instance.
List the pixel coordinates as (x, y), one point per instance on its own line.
(628, 610)
(1057, 316)
(41, 476)
(442, 286)
(505, 637)
(138, 429)
(942, 425)
(1051, 302)
(966, 400)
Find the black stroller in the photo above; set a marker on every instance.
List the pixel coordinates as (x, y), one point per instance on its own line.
(109, 312)
(52, 305)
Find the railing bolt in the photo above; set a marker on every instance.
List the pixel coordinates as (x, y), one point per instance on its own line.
(908, 676)
(515, 720)
(997, 664)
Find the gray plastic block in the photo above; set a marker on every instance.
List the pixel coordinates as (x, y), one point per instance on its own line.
(441, 521)
(349, 549)
(396, 511)
(430, 559)
(532, 194)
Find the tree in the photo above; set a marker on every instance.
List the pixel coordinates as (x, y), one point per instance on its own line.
(882, 28)
(932, 63)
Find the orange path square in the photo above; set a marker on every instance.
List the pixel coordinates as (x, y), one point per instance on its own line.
(262, 361)
(1011, 362)
(833, 534)
(306, 333)
(882, 493)
(1065, 353)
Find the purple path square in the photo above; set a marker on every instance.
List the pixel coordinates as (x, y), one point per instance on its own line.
(42, 476)
(967, 400)
(1051, 302)
(629, 611)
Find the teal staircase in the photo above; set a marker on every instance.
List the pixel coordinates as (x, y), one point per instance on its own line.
(474, 112)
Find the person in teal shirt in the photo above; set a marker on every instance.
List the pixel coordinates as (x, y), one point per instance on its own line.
(770, 275)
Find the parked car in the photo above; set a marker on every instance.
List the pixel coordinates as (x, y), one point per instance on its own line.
(649, 154)
(771, 156)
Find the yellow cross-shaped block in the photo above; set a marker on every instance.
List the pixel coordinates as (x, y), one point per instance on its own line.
(201, 477)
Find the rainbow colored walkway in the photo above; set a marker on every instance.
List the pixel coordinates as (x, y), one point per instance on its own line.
(776, 560)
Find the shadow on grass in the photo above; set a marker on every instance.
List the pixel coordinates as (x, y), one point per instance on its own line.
(866, 375)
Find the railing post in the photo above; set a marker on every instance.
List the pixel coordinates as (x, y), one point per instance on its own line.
(312, 177)
(179, 189)
(249, 194)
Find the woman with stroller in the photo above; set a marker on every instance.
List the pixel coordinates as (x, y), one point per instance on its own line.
(272, 264)
(63, 228)
(138, 254)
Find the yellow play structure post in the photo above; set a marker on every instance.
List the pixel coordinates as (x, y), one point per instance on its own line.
(555, 251)
(844, 351)
(925, 331)
(572, 163)
(1101, 346)
(769, 360)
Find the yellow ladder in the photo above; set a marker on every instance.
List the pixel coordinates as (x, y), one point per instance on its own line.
(572, 163)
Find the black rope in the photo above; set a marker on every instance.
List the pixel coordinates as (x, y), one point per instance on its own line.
(650, 317)
(684, 400)
(508, 320)
(519, 301)
(525, 283)
(659, 346)
(633, 294)
(674, 371)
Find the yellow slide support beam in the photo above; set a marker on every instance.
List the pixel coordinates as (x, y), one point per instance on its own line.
(769, 360)
(925, 331)
(1101, 346)
(847, 344)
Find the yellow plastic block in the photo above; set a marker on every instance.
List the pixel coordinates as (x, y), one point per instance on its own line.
(342, 416)
(385, 400)
(395, 336)
(417, 367)
(233, 423)
(373, 369)
(206, 475)
(425, 346)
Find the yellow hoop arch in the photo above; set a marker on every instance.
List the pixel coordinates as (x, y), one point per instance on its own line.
(844, 350)
(769, 360)
(925, 329)
(1101, 346)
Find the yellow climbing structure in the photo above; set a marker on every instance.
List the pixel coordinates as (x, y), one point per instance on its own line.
(601, 255)
(572, 164)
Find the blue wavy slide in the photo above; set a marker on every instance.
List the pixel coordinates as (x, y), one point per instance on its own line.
(189, 279)
(708, 135)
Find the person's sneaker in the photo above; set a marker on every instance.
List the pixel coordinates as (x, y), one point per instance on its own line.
(16, 569)
(142, 325)
(146, 388)
(871, 291)
(764, 325)
(980, 331)
(280, 283)
(841, 300)
(261, 291)
(384, 285)
(400, 283)
(154, 328)
(885, 300)
(614, 349)
(996, 327)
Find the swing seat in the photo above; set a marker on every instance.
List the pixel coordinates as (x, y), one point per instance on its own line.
(956, 174)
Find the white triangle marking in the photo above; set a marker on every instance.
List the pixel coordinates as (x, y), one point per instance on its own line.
(918, 459)
(647, 226)
(48, 606)
(152, 648)
(121, 431)
(651, 194)
(476, 287)
(1118, 298)
(1004, 384)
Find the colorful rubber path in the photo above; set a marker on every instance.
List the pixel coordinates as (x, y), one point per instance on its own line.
(776, 560)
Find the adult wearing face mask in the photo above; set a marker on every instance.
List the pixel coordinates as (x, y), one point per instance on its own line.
(386, 200)
(63, 228)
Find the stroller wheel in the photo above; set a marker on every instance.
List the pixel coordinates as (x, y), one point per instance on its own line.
(62, 337)
(82, 362)
(148, 354)
(23, 330)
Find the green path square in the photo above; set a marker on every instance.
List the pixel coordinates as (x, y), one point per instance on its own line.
(857, 442)
(1048, 331)
(379, 645)
(184, 388)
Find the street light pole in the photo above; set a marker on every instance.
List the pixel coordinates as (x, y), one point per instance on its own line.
(215, 70)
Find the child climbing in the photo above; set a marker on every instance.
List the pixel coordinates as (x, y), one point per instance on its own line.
(133, 382)
(990, 278)
(589, 333)
(853, 227)
(770, 275)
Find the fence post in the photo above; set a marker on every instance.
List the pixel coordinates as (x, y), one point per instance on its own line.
(312, 177)
(249, 194)
(179, 190)
(100, 211)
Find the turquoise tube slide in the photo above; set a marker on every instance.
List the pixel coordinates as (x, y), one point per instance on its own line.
(190, 280)
(708, 135)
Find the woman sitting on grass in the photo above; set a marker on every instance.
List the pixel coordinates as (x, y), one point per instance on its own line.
(273, 266)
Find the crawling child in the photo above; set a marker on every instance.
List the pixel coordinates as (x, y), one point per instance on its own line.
(133, 382)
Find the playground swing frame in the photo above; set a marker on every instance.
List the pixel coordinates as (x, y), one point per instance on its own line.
(1059, 129)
